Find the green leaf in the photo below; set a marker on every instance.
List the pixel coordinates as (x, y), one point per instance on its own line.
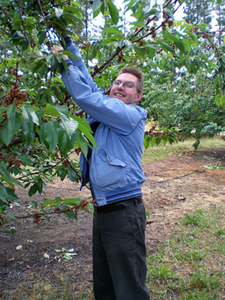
(25, 159)
(10, 194)
(7, 178)
(51, 110)
(193, 37)
(29, 115)
(62, 109)
(50, 202)
(96, 7)
(46, 217)
(28, 130)
(140, 51)
(50, 134)
(72, 175)
(179, 44)
(187, 44)
(25, 113)
(14, 123)
(5, 134)
(58, 12)
(69, 124)
(68, 53)
(37, 64)
(151, 50)
(220, 99)
(10, 215)
(65, 142)
(113, 12)
(85, 128)
(65, 66)
(82, 143)
(112, 30)
(167, 47)
(71, 215)
(10, 110)
(62, 173)
(169, 36)
(139, 24)
(42, 37)
(112, 39)
(33, 203)
(128, 44)
(33, 190)
(71, 201)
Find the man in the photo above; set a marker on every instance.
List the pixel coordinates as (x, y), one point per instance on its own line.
(115, 176)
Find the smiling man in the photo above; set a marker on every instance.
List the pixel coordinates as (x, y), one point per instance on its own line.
(115, 176)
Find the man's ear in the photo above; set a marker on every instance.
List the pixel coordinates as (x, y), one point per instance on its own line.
(139, 96)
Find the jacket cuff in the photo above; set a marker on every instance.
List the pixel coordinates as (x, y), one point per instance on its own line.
(67, 40)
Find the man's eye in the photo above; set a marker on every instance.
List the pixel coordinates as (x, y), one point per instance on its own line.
(129, 85)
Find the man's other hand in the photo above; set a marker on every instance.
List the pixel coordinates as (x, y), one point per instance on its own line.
(56, 49)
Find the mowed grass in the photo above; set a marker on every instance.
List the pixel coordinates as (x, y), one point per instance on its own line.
(191, 265)
(161, 151)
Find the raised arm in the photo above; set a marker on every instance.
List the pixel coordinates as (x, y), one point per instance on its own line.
(80, 64)
(77, 62)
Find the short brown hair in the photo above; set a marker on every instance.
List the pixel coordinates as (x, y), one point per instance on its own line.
(136, 72)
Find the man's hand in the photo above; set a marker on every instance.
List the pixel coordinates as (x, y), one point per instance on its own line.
(56, 49)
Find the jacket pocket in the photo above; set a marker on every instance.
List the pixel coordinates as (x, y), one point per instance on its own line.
(108, 170)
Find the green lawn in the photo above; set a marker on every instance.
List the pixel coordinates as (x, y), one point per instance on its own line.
(163, 151)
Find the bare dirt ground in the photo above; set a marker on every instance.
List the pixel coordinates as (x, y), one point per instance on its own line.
(175, 186)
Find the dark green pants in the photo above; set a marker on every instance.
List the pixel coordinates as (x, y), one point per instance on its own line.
(119, 254)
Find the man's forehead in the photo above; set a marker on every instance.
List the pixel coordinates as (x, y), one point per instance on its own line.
(127, 77)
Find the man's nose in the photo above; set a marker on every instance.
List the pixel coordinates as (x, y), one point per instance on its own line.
(120, 86)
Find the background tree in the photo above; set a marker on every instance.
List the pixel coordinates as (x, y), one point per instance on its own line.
(220, 18)
(187, 104)
(198, 11)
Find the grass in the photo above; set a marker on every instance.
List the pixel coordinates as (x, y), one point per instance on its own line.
(161, 152)
(191, 265)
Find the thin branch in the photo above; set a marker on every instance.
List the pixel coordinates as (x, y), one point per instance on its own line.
(144, 36)
(21, 18)
(178, 177)
(148, 21)
(39, 3)
(49, 168)
(39, 214)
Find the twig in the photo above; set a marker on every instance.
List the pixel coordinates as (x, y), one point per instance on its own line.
(48, 168)
(39, 3)
(34, 215)
(195, 171)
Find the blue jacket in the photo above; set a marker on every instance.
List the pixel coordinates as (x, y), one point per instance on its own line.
(114, 168)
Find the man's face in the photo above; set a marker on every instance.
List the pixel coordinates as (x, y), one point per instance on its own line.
(125, 94)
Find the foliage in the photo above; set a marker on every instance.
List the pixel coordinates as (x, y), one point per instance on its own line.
(198, 12)
(39, 126)
(188, 106)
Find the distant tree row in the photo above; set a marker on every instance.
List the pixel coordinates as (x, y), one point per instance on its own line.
(203, 11)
